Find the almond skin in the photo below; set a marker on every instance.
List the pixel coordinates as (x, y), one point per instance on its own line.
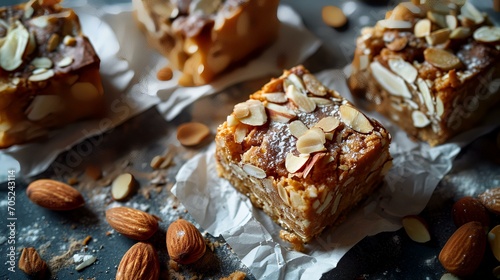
(463, 252)
(491, 200)
(54, 195)
(185, 244)
(32, 264)
(468, 209)
(140, 262)
(132, 223)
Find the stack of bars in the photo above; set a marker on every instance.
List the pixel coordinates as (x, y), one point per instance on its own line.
(302, 153)
(433, 68)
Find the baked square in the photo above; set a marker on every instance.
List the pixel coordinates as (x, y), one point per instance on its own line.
(49, 71)
(302, 153)
(203, 38)
(431, 68)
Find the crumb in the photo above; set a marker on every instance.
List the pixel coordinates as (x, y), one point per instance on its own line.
(86, 240)
(173, 265)
(237, 275)
(108, 233)
(293, 239)
(65, 259)
(72, 180)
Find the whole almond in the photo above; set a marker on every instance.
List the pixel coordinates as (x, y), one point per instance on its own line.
(54, 195)
(463, 252)
(32, 264)
(491, 200)
(468, 209)
(132, 223)
(140, 262)
(185, 244)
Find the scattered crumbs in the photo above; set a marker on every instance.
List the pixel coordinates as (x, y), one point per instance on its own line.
(173, 265)
(65, 259)
(237, 275)
(86, 261)
(86, 240)
(109, 233)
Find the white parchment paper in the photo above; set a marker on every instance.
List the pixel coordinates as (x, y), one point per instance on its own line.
(408, 186)
(128, 70)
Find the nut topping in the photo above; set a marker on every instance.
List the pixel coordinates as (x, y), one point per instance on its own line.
(416, 228)
(419, 119)
(355, 119)
(42, 106)
(12, 49)
(241, 110)
(275, 97)
(65, 62)
(438, 37)
(42, 62)
(422, 28)
(328, 124)
(442, 59)
(240, 132)
(390, 82)
(294, 163)
(257, 115)
(254, 171)
(301, 100)
(280, 113)
(460, 33)
(313, 85)
(487, 34)
(397, 44)
(403, 69)
(297, 128)
(394, 24)
(41, 76)
(312, 141)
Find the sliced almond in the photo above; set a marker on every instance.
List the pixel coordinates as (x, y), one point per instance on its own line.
(257, 115)
(404, 69)
(390, 82)
(419, 119)
(240, 133)
(437, 18)
(232, 121)
(241, 110)
(470, 11)
(426, 94)
(53, 42)
(451, 22)
(280, 113)
(42, 62)
(41, 76)
(487, 34)
(394, 24)
(13, 47)
(192, 133)
(254, 171)
(328, 124)
(321, 101)
(422, 28)
(295, 80)
(156, 161)
(69, 40)
(122, 186)
(438, 37)
(297, 128)
(333, 16)
(65, 62)
(312, 141)
(313, 85)
(275, 97)
(416, 228)
(442, 59)
(460, 33)
(42, 106)
(439, 107)
(294, 163)
(355, 119)
(301, 100)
